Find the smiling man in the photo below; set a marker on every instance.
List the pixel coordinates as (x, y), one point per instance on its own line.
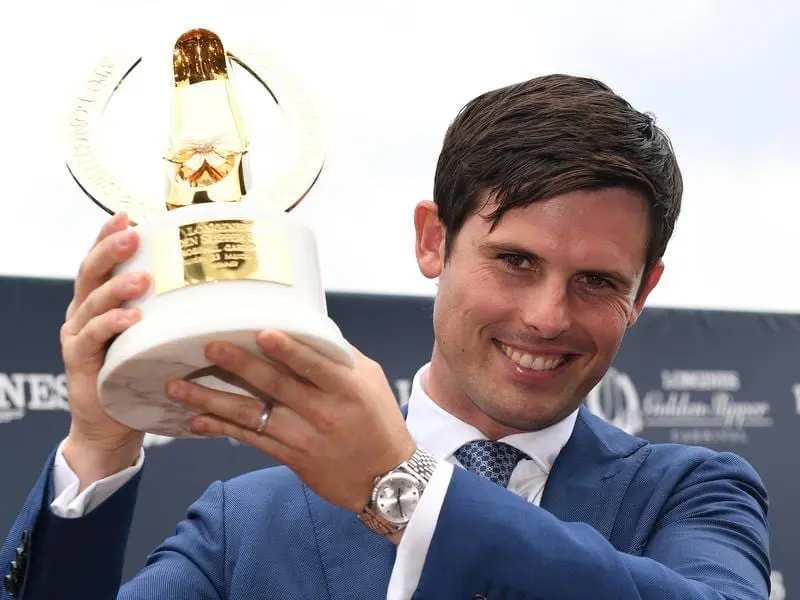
(531, 310)
(554, 201)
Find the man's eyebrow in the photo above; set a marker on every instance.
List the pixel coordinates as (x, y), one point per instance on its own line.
(511, 248)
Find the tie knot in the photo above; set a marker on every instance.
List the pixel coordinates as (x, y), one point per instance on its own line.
(493, 460)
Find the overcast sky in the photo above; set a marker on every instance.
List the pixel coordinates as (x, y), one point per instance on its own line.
(723, 79)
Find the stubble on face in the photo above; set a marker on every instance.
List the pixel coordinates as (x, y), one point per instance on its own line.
(553, 287)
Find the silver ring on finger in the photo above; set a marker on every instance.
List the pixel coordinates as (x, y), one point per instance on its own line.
(262, 422)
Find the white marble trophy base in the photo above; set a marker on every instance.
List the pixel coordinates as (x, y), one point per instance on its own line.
(168, 342)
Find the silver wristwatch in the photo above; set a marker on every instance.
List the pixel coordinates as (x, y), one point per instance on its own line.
(396, 494)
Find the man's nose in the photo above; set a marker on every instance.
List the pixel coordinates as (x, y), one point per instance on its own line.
(547, 309)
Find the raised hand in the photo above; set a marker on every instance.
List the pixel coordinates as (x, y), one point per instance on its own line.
(336, 427)
(97, 445)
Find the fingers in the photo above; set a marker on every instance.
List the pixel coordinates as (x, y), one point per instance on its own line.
(95, 335)
(108, 296)
(303, 360)
(238, 416)
(212, 426)
(119, 222)
(270, 379)
(236, 408)
(114, 245)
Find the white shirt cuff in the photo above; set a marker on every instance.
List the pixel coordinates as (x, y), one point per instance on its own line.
(68, 503)
(418, 534)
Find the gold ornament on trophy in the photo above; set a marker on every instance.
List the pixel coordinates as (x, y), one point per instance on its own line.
(227, 258)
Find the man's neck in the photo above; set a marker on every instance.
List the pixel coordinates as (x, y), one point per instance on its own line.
(438, 384)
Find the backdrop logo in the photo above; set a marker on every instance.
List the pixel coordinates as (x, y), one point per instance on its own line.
(696, 406)
(21, 392)
(616, 400)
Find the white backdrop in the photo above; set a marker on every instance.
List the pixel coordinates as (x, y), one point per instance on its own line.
(722, 77)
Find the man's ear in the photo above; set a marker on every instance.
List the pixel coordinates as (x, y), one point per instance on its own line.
(430, 239)
(648, 285)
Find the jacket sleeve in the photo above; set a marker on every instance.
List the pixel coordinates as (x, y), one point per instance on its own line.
(83, 557)
(710, 542)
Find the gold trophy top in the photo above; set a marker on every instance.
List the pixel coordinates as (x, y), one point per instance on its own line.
(207, 141)
(199, 56)
(207, 153)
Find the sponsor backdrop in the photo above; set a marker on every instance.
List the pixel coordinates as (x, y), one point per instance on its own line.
(724, 380)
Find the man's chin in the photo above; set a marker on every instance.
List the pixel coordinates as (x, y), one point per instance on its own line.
(527, 414)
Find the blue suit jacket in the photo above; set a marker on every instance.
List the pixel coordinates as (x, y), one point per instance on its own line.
(620, 519)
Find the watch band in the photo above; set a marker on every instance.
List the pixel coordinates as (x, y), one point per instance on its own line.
(372, 519)
(421, 465)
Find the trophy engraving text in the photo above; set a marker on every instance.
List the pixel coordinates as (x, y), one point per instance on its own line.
(222, 250)
(84, 165)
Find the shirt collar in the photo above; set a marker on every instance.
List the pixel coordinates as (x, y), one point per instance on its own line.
(442, 434)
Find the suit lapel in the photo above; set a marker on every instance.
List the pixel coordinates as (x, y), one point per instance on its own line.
(353, 557)
(592, 473)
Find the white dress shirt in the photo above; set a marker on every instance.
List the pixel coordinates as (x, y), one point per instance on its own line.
(442, 434)
(431, 427)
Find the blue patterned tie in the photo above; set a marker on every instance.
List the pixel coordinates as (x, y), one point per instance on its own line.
(493, 460)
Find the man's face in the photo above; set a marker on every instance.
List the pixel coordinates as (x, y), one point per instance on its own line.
(530, 315)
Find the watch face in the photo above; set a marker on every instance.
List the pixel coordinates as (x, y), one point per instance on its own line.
(397, 496)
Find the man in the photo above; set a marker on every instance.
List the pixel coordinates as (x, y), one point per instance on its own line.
(554, 201)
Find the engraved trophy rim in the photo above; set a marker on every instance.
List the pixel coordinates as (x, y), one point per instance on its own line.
(283, 192)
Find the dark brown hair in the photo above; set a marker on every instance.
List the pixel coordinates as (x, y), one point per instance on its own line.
(550, 136)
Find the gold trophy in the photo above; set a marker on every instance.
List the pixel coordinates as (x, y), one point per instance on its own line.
(226, 257)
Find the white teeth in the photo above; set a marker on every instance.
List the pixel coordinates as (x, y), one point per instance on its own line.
(527, 361)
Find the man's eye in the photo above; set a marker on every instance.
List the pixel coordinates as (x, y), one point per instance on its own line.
(596, 281)
(516, 262)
